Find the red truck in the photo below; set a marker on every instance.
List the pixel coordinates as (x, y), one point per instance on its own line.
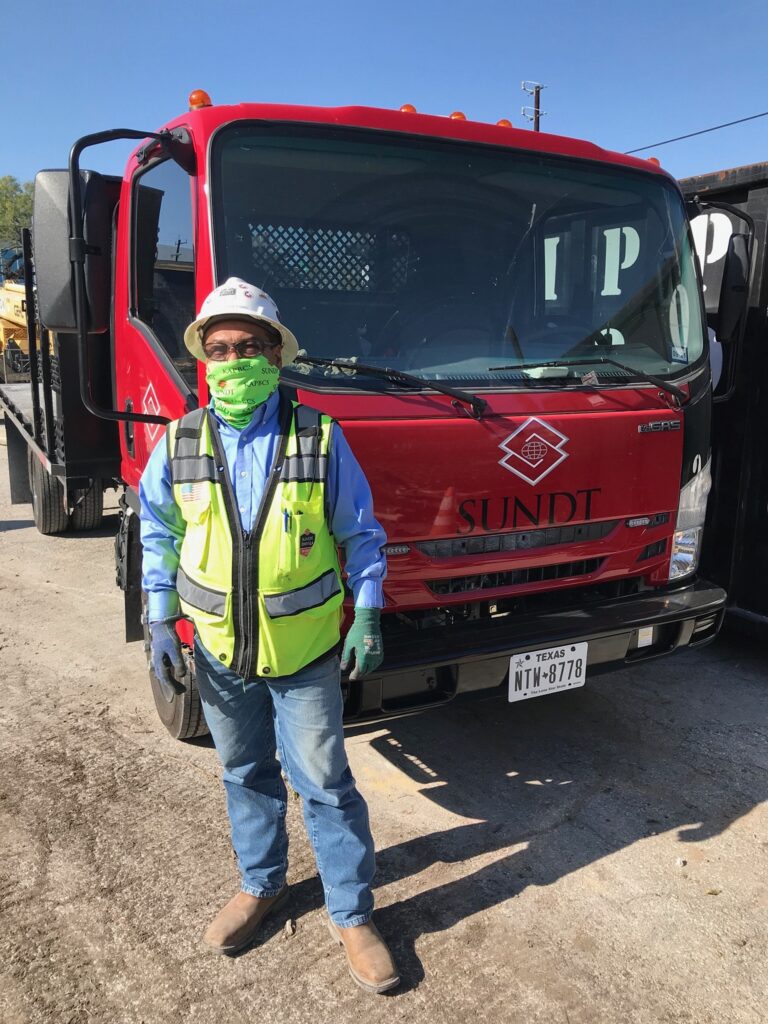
(508, 325)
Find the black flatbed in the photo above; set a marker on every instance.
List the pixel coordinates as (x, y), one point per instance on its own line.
(17, 398)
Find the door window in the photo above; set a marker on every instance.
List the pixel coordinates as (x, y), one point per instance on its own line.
(164, 261)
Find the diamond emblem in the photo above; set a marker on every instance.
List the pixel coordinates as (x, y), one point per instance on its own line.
(151, 406)
(533, 450)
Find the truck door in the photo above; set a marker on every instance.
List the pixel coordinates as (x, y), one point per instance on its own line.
(736, 553)
(154, 371)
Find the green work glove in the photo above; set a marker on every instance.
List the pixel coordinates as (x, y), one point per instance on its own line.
(363, 647)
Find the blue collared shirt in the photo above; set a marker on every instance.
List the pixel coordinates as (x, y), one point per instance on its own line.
(249, 454)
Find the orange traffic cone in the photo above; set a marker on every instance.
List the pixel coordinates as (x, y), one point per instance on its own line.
(445, 520)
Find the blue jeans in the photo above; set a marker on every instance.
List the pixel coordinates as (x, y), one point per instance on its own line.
(298, 719)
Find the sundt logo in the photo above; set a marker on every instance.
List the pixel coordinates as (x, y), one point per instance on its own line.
(533, 450)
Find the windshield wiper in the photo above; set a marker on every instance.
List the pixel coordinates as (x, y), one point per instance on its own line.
(478, 405)
(649, 378)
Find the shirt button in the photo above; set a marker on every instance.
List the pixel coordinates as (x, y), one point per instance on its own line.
(243, 473)
(242, 508)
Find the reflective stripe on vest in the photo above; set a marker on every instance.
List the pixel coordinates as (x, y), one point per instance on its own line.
(198, 467)
(267, 603)
(312, 595)
(307, 465)
(305, 468)
(207, 600)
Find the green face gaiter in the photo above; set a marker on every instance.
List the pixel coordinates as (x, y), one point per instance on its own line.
(238, 386)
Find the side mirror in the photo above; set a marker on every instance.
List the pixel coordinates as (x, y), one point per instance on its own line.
(51, 231)
(734, 289)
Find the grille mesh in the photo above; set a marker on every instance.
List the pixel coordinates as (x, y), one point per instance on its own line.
(515, 577)
(330, 258)
(519, 540)
(652, 550)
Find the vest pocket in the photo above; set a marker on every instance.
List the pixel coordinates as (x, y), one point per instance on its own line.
(195, 501)
(300, 529)
(196, 510)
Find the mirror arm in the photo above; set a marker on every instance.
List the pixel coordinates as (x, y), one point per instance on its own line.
(702, 205)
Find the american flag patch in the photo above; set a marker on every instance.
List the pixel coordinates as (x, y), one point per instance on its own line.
(192, 492)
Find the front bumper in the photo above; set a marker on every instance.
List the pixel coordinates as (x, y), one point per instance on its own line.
(428, 667)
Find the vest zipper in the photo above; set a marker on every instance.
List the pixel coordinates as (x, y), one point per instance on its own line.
(240, 581)
(286, 417)
(249, 627)
(245, 544)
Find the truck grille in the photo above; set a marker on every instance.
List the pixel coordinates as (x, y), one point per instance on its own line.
(519, 540)
(652, 550)
(515, 577)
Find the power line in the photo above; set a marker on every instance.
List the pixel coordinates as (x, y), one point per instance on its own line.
(717, 127)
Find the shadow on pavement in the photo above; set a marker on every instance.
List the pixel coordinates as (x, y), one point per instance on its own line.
(6, 525)
(572, 778)
(677, 744)
(108, 528)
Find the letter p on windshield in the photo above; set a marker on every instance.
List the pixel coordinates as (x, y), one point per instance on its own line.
(614, 262)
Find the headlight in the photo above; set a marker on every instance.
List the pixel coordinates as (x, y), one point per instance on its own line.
(685, 552)
(686, 540)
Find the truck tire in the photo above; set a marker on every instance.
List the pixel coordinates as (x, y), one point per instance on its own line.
(88, 509)
(48, 508)
(183, 715)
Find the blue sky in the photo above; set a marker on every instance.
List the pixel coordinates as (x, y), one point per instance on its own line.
(619, 74)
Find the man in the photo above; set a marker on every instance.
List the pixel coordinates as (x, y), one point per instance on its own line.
(242, 508)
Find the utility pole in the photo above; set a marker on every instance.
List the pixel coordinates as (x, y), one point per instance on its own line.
(534, 113)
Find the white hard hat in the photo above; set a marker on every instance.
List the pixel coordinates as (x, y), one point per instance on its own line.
(236, 299)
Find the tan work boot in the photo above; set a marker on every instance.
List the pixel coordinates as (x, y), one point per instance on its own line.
(369, 960)
(235, 925)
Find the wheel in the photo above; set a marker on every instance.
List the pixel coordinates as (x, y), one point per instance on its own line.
(18, 363)
(48, 508)
(182, 715)
(88, 509)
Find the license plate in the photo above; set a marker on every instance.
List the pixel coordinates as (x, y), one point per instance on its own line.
(547, 671)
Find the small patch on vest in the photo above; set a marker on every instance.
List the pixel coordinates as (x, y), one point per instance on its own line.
(306, 542)
(192, 492)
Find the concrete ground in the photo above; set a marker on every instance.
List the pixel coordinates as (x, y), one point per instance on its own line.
(594, 857)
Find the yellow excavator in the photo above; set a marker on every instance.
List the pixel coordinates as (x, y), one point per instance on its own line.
(14, 341)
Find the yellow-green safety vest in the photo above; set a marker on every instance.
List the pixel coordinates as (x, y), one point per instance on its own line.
(265, 602)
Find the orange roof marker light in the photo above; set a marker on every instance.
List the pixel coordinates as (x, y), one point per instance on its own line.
(407, 108)
(198, 99)
(458, 116)
(504, 123)
(654, 160)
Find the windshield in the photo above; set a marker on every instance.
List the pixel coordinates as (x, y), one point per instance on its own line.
(446, 259)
